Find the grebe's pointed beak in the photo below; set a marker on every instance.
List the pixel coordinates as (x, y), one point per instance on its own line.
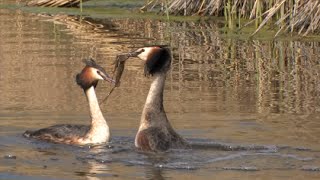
(106, 77)
(135, 53)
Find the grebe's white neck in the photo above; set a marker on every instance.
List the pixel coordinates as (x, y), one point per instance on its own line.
(95, 111)
(153, 113)
(99, 131)
(155, 95)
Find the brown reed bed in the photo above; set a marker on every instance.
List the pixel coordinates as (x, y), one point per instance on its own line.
(301, 16)
(55, 3)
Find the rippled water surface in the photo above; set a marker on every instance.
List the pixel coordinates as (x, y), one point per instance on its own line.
(250, 108)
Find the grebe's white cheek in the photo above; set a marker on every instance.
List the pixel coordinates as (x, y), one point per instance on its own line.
(144, 55)
(96, 75)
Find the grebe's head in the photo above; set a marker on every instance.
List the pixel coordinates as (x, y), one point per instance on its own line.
(91, 74)
(157, 59)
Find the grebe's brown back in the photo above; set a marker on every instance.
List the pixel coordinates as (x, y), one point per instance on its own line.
(96, 133)
(155, 132)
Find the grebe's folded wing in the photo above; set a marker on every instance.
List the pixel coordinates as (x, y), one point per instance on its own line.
(59, 131)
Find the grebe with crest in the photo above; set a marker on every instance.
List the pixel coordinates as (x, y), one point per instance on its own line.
(155, 132)
(96, 133)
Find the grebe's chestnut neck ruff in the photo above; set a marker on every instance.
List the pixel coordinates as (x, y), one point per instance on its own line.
(98, 131)
(91, 74)
(155, 132)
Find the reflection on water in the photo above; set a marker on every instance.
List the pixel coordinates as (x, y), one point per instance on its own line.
(246, 105)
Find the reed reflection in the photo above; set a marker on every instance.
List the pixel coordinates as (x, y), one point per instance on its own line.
(229, 75)
(251, 76)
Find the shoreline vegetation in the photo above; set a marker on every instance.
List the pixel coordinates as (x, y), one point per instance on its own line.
(300, 16)
(296, 16)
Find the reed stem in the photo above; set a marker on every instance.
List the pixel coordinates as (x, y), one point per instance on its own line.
(301, 16)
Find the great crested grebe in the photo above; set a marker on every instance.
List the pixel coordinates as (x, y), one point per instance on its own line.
(155, 132)
(98, 132)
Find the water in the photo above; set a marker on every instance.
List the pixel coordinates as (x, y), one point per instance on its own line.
(250, 108)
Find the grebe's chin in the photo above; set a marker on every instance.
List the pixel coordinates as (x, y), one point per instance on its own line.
(98, 132)
(155, 132)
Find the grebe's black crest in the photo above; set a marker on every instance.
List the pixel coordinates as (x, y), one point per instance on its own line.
(91, 63)
(90, 75)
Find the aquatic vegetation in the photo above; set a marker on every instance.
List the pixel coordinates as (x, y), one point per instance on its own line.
(56, 3)
(117, 72)
(301, 16)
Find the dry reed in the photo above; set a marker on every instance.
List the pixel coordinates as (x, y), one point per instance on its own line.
(301, 16)
(56, 3)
